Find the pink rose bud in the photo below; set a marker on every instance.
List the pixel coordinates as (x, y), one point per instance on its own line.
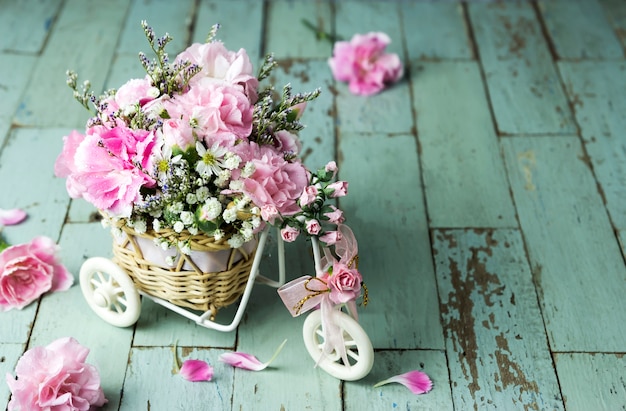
(331, 237)
(331, 167)
(313, 227)
(308, 195)
(335, 216)
(340, 189)
(299, 109)
(289, 234)
(269, 213)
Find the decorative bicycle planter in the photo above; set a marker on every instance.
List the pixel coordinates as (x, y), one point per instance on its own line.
(112, 289)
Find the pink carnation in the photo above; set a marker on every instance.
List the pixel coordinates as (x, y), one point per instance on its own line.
(55, 377)
(276, 182)
(133, 92)
(29, 270)
(222, 66)
(101, 167)
(219, 113)
(363, 63)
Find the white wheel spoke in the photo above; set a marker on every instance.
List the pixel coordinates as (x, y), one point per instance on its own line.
(122, 301)
(118, 291)
(353, 355)
(118, 307)
(96, 284)
(349, 343)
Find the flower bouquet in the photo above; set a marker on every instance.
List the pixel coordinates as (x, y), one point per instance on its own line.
(189, 163)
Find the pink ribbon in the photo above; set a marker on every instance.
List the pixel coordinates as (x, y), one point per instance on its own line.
(307, 292)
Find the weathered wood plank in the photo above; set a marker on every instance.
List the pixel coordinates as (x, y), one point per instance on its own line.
(622, 239)
(66, 314)
(579, 30)
(576, 262)
(464, 178)
(360, 396)
(153, 384)
(389, 111)
(524, 86)
(84, 38)
(592, 381)
(616, 13)
(27, 181)
(435, 30)
(295, 40)
(386, 212)
(15, 72)
(9, 354)
(597, 92)
(240, 20)
(495, 338)
(265, 325)
(26, 24)
(163, 16)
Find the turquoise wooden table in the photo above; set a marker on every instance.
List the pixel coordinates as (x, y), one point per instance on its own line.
(487, 191)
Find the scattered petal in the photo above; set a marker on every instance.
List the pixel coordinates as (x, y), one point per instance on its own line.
(416, 381)
(12, 217)
(196, 370)
(248, 361)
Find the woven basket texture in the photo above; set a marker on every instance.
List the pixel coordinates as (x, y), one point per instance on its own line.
(184, 287)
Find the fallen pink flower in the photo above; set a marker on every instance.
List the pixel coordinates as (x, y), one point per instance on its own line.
(248, 361)
(12, 217)
(196, 370)
(55, 377)
(29, 270)
(416, 381)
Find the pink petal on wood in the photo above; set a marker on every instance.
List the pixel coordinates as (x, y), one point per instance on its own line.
(416, 381)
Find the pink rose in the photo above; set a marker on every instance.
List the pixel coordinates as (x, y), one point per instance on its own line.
(55, 377)
(331, 237)
(363, 63)
(335, 216)
(29, 270)
(344, 283)
(276, 182)
(222, 66)
(289, 234)
(308, 195)
(340, 189)
(313, 227)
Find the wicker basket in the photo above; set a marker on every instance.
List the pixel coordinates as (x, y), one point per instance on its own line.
(212, 277)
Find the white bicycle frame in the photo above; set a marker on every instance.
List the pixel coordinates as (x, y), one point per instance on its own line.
(204, 319)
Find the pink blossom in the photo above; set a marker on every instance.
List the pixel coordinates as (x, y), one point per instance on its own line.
(416, 381)
(269, 213)
(29, 270)
(331, 237)
(177, 133)
(308, 195)
(12, 217)
(298, 109)
(135, 92)
(340, 189)
(222, 66)
(196, 370)
(101, 167)
(335, 216)
(313, 227)
(363, 63)
(288, 142)
(331, 167)
(289, 234)
(276, 182)
(219, 113)
(344, 283)
(249, 361)
(55, 377)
